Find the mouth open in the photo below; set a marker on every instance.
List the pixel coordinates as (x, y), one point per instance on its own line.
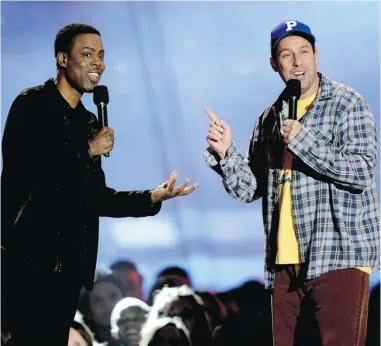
(94, 77)
(299, 74)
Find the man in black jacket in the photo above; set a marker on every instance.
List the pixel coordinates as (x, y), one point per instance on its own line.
(54, 190)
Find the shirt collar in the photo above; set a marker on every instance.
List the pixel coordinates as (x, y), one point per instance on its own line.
(326, 88)
(57, 98)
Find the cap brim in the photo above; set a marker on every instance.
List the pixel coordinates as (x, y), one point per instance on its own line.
(308, 37)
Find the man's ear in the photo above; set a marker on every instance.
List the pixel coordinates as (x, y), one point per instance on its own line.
(62, 59)
(274, 64)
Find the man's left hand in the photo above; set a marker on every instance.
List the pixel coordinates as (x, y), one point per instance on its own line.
(290, 129)
(168, 189)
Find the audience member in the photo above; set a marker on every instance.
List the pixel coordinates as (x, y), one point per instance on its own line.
(127, 320)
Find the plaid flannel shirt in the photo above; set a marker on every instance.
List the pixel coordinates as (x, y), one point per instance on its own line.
(334, 198)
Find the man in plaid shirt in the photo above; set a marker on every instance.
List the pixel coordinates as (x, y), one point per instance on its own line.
(316, 177)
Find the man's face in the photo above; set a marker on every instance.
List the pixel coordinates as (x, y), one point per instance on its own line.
(85, 65)
(76, 339)
(297, 60)
(103, 298)
(132, 281)
(130, 324)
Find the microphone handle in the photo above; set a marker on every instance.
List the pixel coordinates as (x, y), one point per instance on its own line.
(292, 108)
(102, 112)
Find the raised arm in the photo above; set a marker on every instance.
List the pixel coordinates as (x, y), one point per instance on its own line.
(240, 175)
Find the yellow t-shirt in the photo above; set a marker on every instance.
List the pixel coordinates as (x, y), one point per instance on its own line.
(288, 249)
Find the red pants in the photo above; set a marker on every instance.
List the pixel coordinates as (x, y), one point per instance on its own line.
(330, 310)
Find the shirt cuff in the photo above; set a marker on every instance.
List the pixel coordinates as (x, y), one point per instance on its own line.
(155, 206)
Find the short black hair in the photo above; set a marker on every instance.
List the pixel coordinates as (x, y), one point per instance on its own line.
(66, 35)
(169, 334)
(166, 280)
(176, 271)
(84, 302)
(123, 265)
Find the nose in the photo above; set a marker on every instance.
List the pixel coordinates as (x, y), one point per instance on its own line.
(98, 62)
(297, 60)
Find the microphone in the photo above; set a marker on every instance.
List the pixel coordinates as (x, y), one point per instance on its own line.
(101, 100)
(294, 91)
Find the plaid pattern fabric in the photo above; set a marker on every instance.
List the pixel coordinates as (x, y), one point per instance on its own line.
(335, 204)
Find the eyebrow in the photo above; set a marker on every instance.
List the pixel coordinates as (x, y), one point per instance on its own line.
(282, 50)
(302, 47)
(101, 51)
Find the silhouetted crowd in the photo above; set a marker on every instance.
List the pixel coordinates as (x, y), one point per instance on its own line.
(116, 313)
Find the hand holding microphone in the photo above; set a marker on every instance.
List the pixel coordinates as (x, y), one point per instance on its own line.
(291, 127)
(103, 142)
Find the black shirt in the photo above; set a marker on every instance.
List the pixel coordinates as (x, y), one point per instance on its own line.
(53, 190)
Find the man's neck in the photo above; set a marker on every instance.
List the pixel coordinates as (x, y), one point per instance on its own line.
(313, 90)
(70, 94)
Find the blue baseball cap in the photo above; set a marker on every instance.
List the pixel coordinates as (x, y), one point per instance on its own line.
(288, 28)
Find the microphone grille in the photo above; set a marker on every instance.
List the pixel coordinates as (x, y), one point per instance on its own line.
(101, 95)
(294, 88)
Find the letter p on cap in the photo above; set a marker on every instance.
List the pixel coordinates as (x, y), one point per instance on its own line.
(290, 24)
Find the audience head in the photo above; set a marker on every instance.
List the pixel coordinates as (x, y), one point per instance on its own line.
(97, 305)
(179, 272)
(128, 273)
(184, 303)
(165, 331)
(164, 281)
(127, 320)
(80, 335)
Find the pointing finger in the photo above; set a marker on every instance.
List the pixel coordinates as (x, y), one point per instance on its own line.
(211, 115)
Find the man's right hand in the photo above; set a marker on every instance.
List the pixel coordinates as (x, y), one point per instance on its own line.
(103, 142)
(219, 136)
